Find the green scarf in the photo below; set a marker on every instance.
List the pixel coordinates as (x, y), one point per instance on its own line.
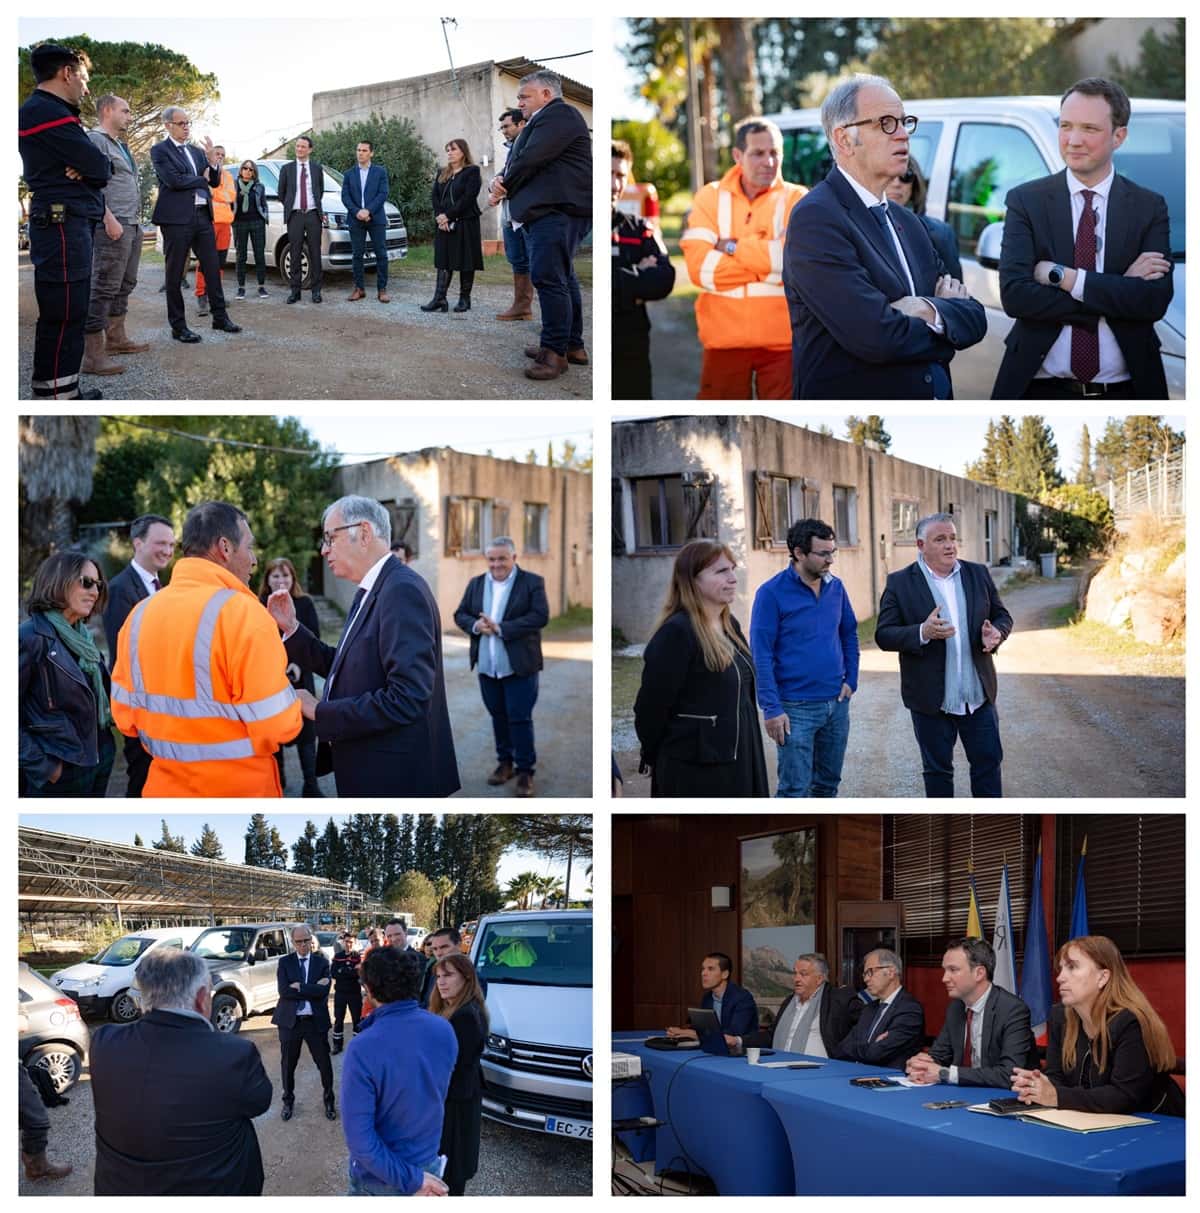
(83, 648)
(245, 187)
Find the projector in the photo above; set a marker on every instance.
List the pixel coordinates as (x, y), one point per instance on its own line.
(626, 1065)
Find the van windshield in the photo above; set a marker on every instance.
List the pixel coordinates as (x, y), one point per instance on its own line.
(1153, 156)
(536, 951)
(223, 943)
(124, 951)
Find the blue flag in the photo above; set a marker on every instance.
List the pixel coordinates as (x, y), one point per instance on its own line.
(1079, 923)
(1035, 973)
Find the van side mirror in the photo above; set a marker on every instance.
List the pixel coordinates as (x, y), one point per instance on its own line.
(987, 251)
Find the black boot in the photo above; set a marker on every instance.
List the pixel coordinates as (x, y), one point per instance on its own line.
(279, 763)
(438, 302)
(337, 1045)
(466, 280)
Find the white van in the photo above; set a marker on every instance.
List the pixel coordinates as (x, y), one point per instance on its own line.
(101, 986)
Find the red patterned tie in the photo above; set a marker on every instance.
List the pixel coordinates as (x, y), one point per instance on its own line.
(1085, 345)
(304, 200)
(967, 1043)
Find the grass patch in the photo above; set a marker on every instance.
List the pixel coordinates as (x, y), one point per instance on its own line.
(1154, 660)
(1060, 616)
(866, 633)
(575, 616)
(626, 679)
(1166, 557)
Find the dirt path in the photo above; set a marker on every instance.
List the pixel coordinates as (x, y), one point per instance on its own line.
(1072, 722)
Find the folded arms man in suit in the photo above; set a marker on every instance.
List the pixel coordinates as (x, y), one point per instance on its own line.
(734, 1005)
(364, 191)
(873, 312)
(889, 1030)
(302, 1015)
(986, 1034)
(815, 1019)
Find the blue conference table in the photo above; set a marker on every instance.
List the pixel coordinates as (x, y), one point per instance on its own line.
(907, 1149)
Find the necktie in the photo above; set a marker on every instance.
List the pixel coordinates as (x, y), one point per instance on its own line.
(880, 213)
(967, 1043)
(303, 189)
(878, 1018)
(156, 584)
(1085, 345)
(359, 594)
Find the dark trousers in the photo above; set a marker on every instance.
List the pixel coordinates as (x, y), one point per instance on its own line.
(554, 240)
(304, 228)
(137, 763)
(631, 361)
(358, 247)
(980, 735)
(306, 750)
(346, 998)
(289, 1053)
(31, 1115)
(180, 239)
(62, 269)
(114, 273)
(509, 702)
(81, 782)
(256, 235)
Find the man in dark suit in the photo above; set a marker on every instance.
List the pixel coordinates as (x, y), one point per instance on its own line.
(364, 191)
(382, 722)
(1085, 267)
(302, 1016)
(945, 619)
(301, 189)
(504, 611)
(986, 1034)
(174, 1099)
(890, 1029)
(184, 213)
(153, 546)
(873, 312)
(548, 183)
(814, 1019)
(442, 943)
(735, 1006)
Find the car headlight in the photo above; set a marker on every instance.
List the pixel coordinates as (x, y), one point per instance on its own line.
(497, 1043)
(89, 983)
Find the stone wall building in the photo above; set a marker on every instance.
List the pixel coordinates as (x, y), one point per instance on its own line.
(744, 480)
(448, 506)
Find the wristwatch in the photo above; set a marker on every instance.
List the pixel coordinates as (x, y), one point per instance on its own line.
(729, 247)
(1056, 275)
(943, 1075)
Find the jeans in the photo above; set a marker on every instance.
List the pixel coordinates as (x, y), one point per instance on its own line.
(256, 235)
(516, 247)
(114, 274)
(810, 759)
(553, 241)
(358, 246)
(980, 735)
(363, 1184)
(510, 702)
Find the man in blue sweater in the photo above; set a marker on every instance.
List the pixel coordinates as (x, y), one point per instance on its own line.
(394, 1083)
(804, 638)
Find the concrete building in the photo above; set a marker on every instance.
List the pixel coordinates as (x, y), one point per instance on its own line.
(745, 480)
(448, 506)
(441, 110)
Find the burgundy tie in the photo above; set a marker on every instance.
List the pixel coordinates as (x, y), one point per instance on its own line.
(156, 584)
(304, 196)
(967, 1043)
(1085, 344)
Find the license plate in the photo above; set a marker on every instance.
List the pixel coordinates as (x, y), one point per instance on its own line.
(568, 1128)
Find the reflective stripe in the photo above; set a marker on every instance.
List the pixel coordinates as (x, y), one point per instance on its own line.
(724, 214)
(202, 650)
(215, 751)
(708, 270)
(738, 292)
(775, 251)
(206, 709)
(773, 278)
(135, 666)
(763, 288)
(62, 381)
(779, 213)
(700, 233)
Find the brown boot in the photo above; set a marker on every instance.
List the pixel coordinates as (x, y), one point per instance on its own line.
(579, 357)
(117, 340)
(357, 294)
(524, 784)
(38, 1166)
(548, 365)
(522, 304)
(95, 361)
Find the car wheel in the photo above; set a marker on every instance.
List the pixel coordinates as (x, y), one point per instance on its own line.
(283, 258)
(60, 1061)
(125, 1008)
(227, 1013)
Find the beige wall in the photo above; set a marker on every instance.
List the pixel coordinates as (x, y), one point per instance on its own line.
(1119, 36)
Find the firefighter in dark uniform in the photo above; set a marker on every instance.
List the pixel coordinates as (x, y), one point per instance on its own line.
(347, 993)
(641, 270)
(65, 173)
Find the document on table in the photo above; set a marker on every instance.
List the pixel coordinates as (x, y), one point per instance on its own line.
(1076, 1122)
(790, 1065)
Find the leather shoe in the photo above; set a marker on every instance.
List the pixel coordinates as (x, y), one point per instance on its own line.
(384, 297)
(579, 357)
(285, 1112)
(524, 784)
(185, 335)
(357, 294)
(294, 297)
(502, 774)
(549, 366)
(316, 296)
(330, 1110)
(226, 326)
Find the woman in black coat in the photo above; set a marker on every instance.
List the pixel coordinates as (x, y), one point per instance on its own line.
(250, 225)
(458, 997)
(1109, 1050)
(909, 190)
(696, 714)
(281, 575)
(457, 244)
(63, 689)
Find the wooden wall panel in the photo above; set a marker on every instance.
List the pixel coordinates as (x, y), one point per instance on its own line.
(622, 856)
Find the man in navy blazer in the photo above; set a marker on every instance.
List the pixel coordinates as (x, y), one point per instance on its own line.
(945, 619)
(364, 191)
(302, 1016)
(874, 313)
(986, 1034)
(184, 212)
(503, 611)
(891, 1028)
(837, 1011)
(382, 722)
(735, 1006)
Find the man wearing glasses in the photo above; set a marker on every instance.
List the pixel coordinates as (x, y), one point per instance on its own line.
(874, 314)
(302, 1015)
(890, 1028)
(382, 721)
(184, 211)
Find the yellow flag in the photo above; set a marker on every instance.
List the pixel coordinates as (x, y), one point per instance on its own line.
(974, 926)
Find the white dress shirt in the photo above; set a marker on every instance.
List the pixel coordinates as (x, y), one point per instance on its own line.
(302, 168)
(976, 1033)
(148, 579)
(186, 148)
(366, 584)
(1058, 359)
(957, 643)
(500, 593)
(362, 184)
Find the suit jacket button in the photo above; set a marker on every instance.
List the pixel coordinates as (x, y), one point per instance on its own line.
(928, 378)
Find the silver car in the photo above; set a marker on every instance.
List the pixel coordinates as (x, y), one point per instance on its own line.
(972, 151)
(51, 1034)
(243, 959)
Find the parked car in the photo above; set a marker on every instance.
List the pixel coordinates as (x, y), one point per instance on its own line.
(102, 986)
(327, 943)
(537, 1063)
(336, 253)
(51, 1034)
(972, 152)
(416, 936)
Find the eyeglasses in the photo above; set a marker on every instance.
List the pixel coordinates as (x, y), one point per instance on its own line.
(907, 178)
(867, 973)
(830, 555)
(180, 122)
(91, 583)
(306, 939)
(887, 123)
(327, 536)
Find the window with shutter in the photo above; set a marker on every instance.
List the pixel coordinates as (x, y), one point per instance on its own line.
(763, 514)
(454, 526)
(499, 523)
(845, 515)
(699, 505)
(618, 517)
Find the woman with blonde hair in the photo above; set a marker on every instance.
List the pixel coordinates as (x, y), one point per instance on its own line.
(695, 713)
(1109, 1051)
(458, 997)
(457, 244)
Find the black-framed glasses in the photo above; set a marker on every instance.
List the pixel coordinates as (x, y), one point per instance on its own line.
(327, 536)
(91, 583)
(907, 178)
(180, 122)
(867, 973)
(887, 123)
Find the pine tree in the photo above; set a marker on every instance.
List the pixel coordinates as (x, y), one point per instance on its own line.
(424, 847)
(169, 841)
(861, 430)
(1085, 474)
(329, 858)
(278, 855)
(137, 841)
(1034, 467)
(390, 865)
(258, 842)
(407, 851)
(304, 853)
(208, 845)
(1130, 443)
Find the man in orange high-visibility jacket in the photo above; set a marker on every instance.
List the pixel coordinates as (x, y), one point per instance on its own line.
(201, 674)
(733, 245)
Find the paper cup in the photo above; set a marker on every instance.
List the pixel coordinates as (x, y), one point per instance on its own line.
(752, 1056)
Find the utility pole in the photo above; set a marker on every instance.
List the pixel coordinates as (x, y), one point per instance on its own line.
(453, 72)
(695, 152)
